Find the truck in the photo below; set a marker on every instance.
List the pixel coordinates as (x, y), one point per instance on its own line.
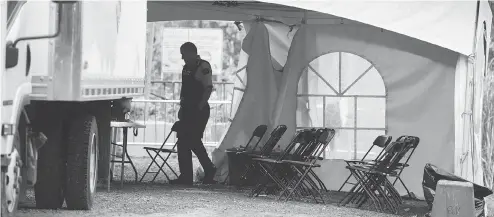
(68, 69)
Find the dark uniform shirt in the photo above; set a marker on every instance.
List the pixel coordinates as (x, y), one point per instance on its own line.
(196, 79)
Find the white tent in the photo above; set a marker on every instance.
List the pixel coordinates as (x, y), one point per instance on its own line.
(422, 62)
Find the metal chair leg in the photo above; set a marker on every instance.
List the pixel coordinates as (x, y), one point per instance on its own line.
(344, 183)
(165, 162)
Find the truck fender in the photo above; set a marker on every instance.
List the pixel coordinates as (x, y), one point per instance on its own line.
(20, 100)
(28, 153)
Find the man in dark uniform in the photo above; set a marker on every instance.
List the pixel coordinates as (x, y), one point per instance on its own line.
(194, 114)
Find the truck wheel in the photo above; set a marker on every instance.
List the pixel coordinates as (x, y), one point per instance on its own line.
(48, 189)
(11, 182)
(82, 163)
(9, 204)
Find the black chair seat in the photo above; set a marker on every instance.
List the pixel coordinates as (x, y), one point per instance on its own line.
(160, 149)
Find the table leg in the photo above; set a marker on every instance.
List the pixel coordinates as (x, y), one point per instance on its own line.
(124, 145)
(133, 166)
(114, 150)
(108, 175)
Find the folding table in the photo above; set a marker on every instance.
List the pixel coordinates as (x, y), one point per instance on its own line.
(124, 125)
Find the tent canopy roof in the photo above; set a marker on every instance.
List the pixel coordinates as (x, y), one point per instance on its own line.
(448, 24)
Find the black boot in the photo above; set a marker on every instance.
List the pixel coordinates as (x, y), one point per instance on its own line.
(209, 176)
(181, 181)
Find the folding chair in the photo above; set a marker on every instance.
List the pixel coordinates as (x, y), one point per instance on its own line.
(414, 141)
(302, 181)
(258, 133)
(274, 169)
(157, 153)
(311, 154)
(381, 141)
(385, 153)
(401, 166)
(265, 151)
(267, 148)
(372, 181)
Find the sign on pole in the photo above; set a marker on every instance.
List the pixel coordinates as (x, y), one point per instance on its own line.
(209, 44)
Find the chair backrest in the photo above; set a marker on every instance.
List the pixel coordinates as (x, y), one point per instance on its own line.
(276, 135)
(320, 144)
(388, 152)
(260, 130)
(259, 133)
(315, 142)
(406, 149)
(414, 142)
(176, 126)
(299, 139)
(381, 141)
(310, 138)
(393, 155)
(324, 140)
(402, 138)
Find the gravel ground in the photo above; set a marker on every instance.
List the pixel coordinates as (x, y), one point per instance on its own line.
(160, 199)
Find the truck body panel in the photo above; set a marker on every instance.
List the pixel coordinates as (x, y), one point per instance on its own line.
(99, 54)
(114, 51)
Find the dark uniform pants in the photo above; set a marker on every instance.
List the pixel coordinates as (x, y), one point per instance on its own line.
(193, 123)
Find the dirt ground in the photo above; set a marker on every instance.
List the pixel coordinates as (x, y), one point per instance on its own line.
(164, 200)
(160, 199)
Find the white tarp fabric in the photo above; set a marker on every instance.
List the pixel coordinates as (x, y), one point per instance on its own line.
(256, 104)
(277, 38)
(441, 23)
(449, 24)
(240, 83)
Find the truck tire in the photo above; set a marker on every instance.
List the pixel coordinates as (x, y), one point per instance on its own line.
(48, 190)
(11, 183)
(82, 163)
(9, 208)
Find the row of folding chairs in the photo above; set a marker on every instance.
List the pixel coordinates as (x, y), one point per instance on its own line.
(371, 176)
(253, 150)
(289, 173)
(381, 142)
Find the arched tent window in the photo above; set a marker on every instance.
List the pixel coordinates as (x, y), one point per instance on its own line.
(346, 92)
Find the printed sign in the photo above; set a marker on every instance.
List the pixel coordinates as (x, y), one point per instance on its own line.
(209, 44)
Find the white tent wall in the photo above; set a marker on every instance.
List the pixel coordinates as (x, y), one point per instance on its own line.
(419, 79)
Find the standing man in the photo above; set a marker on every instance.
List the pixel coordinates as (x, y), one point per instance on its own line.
(197, 86)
